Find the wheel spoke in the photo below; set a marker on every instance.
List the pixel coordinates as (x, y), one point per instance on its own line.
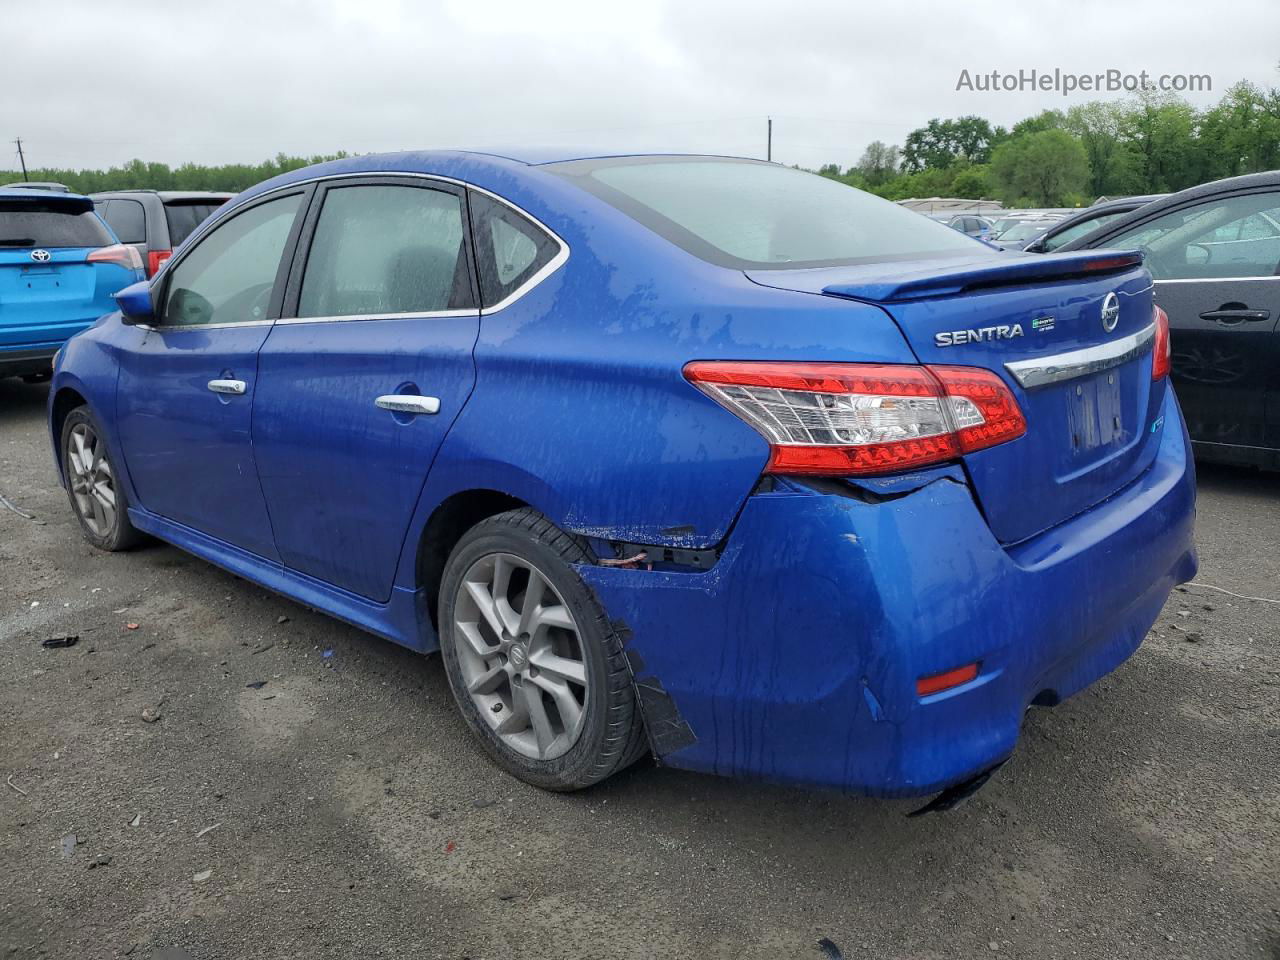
(78, 459)
(538, 718)
(517, 718)
(102, 490)
(484, 602)
(532, 605)
(475, 640)
(571, 712)
(555, 616)
(562, 667)
(490, 680)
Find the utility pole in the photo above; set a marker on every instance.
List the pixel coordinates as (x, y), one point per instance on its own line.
(22, 160)
(768, 148)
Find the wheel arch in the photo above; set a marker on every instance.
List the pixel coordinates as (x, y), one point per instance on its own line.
(65, 399)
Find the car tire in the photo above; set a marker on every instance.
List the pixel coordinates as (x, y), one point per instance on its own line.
(565, 655)
(97, 497)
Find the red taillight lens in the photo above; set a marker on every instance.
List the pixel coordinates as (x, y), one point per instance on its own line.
(936, 683)
(120, 254)
(1162, 348)
(156, 259)
(856, 418)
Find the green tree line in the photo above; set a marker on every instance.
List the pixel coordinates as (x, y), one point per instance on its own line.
(160, 176)
(1152, 143)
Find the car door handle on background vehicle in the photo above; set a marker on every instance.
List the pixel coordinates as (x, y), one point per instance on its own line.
(1235, 315)
(235, 387)
(408, 403)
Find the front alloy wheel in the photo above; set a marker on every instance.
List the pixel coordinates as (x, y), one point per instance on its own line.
(96, 496)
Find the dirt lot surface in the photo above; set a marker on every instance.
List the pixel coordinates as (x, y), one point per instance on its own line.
(340, 810)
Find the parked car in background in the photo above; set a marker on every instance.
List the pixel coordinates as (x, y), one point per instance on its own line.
(1019, 234)
(37, 185)
(971, 225)
(155, 222)
(59, 266)
(1214, 251)
(1087, 220)
(702, 456)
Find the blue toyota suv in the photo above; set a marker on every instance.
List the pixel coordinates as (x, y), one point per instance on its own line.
(59, 266)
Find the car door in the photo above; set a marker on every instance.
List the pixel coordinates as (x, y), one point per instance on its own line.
(184, 397)
(1215, 264)
(362, 377)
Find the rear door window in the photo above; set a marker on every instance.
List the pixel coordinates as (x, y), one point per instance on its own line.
(1223, 237)
(510, 248)
(382, 249)
(37, 223)
(184, 216)
(127, 219)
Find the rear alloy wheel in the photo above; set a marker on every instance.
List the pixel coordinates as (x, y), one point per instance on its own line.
(534, 664)
(99, 502)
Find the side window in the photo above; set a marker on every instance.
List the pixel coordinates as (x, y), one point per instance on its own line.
(509, 248)
(228, 276)
(1230, 237)
(125, 218)
(385, 249)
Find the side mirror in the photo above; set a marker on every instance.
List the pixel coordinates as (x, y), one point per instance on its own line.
(136, 304)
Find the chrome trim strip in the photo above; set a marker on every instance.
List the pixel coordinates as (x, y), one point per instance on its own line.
(1042, 371)
(1218, 279)
(552, 266)
(362, 317)
(175, 327)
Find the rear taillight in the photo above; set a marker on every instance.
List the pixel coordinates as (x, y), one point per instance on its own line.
(862, 418)
(122, 255)
(156, 260)
(1161, 349)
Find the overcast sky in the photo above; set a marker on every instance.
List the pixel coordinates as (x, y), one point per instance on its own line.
(228, 80)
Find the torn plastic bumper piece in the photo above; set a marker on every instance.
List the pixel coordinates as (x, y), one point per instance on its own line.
(796, 657)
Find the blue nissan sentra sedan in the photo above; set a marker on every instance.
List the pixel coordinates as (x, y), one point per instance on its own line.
(59, 266)
(695, 456)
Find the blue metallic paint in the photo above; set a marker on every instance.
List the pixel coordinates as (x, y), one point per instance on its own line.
(820, 605)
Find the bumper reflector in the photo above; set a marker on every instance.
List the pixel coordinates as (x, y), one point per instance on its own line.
(938, 682)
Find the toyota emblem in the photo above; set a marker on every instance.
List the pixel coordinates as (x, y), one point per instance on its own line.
(40, 256)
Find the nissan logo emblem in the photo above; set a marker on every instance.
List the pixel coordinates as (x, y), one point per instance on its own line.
(1110, 311)
(40, 256)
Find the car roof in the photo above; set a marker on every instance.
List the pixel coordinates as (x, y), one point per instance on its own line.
(165, 196)
(46, 196)
(1269, 179)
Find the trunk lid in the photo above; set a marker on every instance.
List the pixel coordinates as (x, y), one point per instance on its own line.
(1090, 412)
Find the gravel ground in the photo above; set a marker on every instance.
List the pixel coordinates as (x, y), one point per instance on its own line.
(352, 817)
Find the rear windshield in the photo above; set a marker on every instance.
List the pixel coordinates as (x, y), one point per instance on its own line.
(184, 217)
(36, 223)
(754, 215)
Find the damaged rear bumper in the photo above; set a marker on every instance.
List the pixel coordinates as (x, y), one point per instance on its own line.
(795, 658)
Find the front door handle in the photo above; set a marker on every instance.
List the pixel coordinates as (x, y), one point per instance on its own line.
(408, 403)
(1235, 315)
(234, 387)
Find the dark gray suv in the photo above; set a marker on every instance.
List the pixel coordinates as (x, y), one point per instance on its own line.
(156, 221)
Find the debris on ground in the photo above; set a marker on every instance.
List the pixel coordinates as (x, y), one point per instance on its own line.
(137, 820)
(282, 619)
(481, 804)
(830, 950)
(10, 505)
(202, 876)
(101, 860)
(9, 781)
(1193, 637)
(450, 847)
(328, 653)
(131, 626)
(69, 845)
(256, 684)
(262, 649)
(151, 714)
(208, 829)
(67, 641)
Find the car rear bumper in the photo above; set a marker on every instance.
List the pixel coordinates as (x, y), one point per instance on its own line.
(20, 362)
(796, 657)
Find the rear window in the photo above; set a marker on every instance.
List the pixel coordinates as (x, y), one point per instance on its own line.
(126, 218)
(36, 223)
(754, 215)
(183, 217)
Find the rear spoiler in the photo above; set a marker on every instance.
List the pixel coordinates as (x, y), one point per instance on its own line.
(48, 198)
(926, 281)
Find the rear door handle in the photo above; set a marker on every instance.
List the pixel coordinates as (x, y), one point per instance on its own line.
(408, 403)
(235, 387)
(1236, 315)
